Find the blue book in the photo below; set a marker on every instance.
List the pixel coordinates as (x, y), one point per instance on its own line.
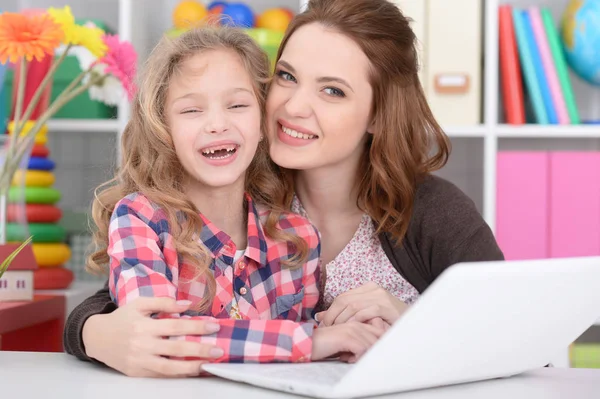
(528, 68)
(540, 72)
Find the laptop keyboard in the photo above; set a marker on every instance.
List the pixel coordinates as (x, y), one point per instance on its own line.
(320, 372)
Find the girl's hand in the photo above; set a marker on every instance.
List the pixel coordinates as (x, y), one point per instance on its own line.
(363, 304)
(350, 341)
(130, 341)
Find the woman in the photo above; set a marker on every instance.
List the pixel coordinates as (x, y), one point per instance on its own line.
(350, 126)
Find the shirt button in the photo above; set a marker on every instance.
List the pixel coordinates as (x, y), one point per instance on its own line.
(243, 290)
(241, 265)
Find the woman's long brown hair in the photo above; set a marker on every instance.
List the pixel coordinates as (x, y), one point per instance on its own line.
(150, 165)
(407, 142)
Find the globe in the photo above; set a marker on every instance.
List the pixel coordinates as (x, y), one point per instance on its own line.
(580, 35)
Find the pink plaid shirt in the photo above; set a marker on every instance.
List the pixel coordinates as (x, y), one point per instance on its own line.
(275, 304)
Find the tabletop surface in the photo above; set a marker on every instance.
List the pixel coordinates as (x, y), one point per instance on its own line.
(57, 375)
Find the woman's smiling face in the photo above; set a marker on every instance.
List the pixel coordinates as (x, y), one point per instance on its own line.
(319, 103)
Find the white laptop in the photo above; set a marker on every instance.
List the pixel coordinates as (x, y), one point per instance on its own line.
(478, 321)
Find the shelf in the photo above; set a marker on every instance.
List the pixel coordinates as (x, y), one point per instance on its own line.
(84, 125)
(549, 131)
(464, 131)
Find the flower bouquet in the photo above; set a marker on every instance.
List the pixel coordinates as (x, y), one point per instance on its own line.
(29, 38)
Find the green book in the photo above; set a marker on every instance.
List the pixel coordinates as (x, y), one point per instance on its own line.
(561, 65)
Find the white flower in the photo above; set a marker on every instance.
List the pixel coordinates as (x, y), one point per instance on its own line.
(109, 90)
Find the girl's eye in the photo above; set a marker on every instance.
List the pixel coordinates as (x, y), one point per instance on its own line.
(286, 75)
(239, 106)
(332, 91)
(189, 111)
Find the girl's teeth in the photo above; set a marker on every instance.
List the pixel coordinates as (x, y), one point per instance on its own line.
(212, 150)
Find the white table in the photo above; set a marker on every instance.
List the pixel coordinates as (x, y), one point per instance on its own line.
(57, 375)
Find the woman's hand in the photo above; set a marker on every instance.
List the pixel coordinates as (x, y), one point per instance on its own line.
(364, 304)
(130, 341)
(350, 341)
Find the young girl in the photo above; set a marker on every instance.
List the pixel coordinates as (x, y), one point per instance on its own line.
(195, 213)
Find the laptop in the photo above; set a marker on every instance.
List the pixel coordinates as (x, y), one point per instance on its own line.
(477, 321)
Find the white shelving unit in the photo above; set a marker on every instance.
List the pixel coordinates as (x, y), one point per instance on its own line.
(144, 26)
(143, 22)
(496, 131)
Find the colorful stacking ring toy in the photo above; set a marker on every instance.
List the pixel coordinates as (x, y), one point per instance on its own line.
(35, 195)
(41, 232)
(27, 126)
(58, 278)
(34, 178)
(41, 137)
(39, 163)
(50, 255)
(40, 151)
(35, 213)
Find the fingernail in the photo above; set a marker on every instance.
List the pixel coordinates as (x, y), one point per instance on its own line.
(216, 352)
(212, 327)
(184, 303)
(317, 317)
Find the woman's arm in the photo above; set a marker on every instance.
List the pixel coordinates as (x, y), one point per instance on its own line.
(97, 304)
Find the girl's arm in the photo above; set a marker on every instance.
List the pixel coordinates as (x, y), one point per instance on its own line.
(144, 264)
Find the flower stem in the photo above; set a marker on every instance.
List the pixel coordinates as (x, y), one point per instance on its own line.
(74, 83)
(38, 93)
(18, 109)
(3, 214)
(61, 100)
(65, 96)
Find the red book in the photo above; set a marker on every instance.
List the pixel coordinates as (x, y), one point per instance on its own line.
(510, 72)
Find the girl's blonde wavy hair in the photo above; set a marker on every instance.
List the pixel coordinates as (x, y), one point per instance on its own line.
(149, 163)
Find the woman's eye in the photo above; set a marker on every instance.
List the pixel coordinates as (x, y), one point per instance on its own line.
(239, 106)
(286, 75)
(189, 111)
(332, 91)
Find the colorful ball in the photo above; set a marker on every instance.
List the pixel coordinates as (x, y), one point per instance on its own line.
(215, 4)
(188, 13)
(274, 19)
(288, 12)
(238, 14)
(215, 14)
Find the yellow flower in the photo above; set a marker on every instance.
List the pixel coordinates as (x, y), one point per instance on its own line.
(65, 19)
(91, 38)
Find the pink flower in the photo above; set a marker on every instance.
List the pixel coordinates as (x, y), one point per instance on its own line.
(120, 61)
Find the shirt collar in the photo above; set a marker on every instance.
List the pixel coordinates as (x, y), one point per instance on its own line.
(215, 239)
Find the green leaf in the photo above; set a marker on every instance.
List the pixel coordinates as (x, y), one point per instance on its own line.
(6, 262)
